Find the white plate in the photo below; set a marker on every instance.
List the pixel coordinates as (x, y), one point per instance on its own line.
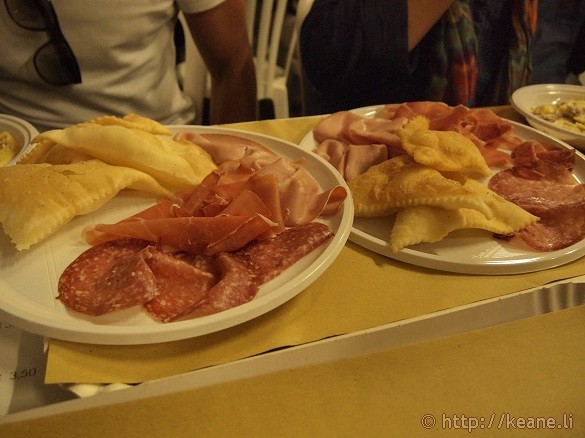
(28, 279)
(465, 251)
(526, 98)
(22, 131)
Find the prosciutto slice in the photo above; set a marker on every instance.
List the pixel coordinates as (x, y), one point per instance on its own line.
(190, 234)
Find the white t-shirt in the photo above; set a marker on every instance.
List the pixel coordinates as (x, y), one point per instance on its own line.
(126, 56)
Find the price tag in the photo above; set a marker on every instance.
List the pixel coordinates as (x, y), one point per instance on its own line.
(22, 372)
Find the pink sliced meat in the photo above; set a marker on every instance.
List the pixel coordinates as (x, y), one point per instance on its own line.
(432, 110)
(238, 285)
(180, 284)
(190, 234)
(334, 152)
(361, 157)
(535, 195)
(226, 147)
(269, 258)
(376, 130)
(541, 183)
(254, 227)
(267, 189)
(302, 200)
(243, 271)
(106, 278)
(335, 126)
(558, 228)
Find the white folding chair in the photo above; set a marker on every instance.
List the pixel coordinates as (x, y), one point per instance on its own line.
(271, 77)
(303, 7)
(265, 31)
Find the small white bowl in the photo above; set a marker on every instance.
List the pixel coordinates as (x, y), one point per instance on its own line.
(22, 131)
(525, 99)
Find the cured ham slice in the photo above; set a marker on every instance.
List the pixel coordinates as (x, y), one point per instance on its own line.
(336, 126)
(189, 234)
(225, 147)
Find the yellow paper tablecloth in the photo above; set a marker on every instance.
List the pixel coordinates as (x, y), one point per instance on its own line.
(509, 374)
(360, 290)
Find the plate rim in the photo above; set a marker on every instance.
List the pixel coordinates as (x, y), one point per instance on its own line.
(52, 324)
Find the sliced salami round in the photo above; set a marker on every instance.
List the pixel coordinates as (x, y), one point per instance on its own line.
(107, 277)
(181, 285)
(268, 258)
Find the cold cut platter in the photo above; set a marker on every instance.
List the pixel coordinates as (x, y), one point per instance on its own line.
(469, 251)
(29, 279)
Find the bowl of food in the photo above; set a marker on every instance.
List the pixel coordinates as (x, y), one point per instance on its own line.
(15, 137)
(556, 109)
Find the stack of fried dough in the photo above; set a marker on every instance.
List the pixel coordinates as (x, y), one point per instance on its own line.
(433, 189)
(76, 170)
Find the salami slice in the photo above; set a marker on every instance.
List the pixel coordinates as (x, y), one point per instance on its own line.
(123, 273)
(541, 183)
(107, 277)
(268, 258)
(238, 285)
(535, 195)
(180, 285)
(243, 271)
(557, 228)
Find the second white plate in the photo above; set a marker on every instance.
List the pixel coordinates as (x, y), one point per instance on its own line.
(465, 251)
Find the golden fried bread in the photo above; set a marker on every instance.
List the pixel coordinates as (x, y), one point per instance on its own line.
(401, 182)
(37, 199)
(132, 121)
(441, 150)
(48, 151)
(431, 224)
(169, 162)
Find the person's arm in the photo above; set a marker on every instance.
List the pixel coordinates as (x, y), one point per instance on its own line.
(221, 38)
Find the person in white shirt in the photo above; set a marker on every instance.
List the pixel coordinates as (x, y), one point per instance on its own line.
(64, 62)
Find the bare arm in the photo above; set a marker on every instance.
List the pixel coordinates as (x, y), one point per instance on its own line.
(422, 15)
(221, 38)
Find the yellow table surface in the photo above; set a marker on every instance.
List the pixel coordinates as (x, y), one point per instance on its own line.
(358, 291)
(505, 380)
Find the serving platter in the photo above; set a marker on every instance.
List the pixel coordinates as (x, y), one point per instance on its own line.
(470, 251)
(28, 279)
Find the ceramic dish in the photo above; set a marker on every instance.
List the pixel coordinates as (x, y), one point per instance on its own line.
(465, 251)
(28, 279)
(21, 130)
(525, 99)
